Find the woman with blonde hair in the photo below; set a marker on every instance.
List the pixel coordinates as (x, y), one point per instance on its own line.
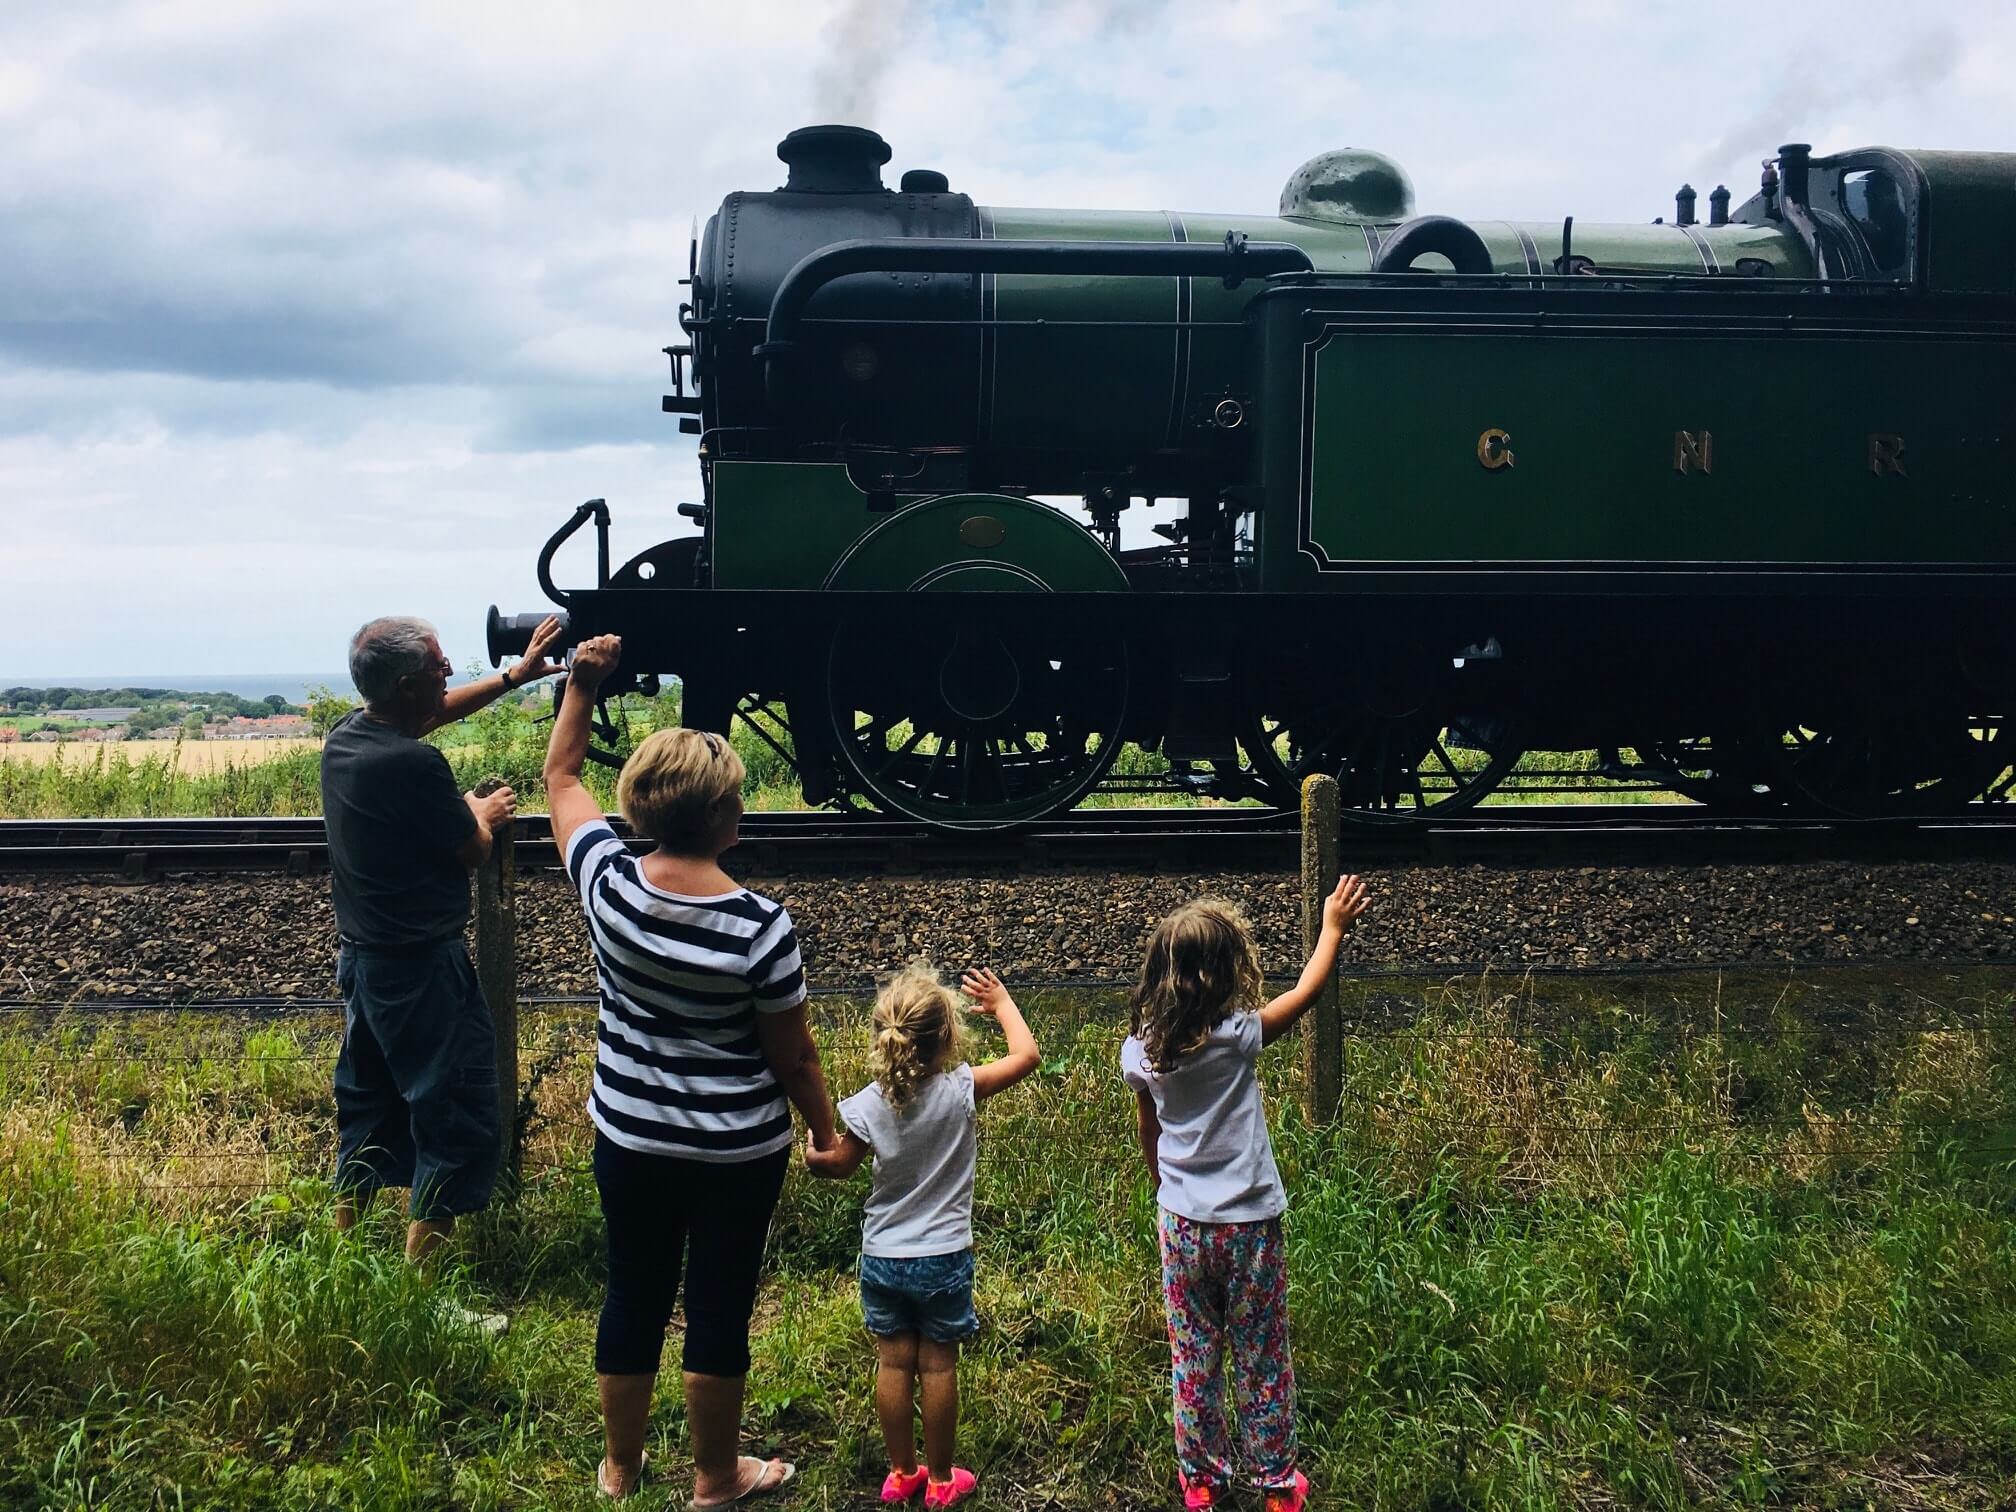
(702, 1043)
(917, 1119)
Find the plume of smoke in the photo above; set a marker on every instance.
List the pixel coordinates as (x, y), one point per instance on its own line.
(861, 41)
(862, 38)
(1924, 63)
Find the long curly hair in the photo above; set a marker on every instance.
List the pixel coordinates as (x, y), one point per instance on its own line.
(917, 1031)
(1201, 965)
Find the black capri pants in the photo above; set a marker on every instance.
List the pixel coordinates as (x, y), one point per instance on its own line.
(662, 1212)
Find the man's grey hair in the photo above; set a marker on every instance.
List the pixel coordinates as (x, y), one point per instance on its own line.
(385, 651)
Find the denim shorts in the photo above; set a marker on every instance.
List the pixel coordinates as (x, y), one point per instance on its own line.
(930, 1295)
(416, 1081)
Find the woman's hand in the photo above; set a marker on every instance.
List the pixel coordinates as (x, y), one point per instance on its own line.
(986, 990)
(594, 659)
(1342, 908)
(838, 1160)
(819, 1161)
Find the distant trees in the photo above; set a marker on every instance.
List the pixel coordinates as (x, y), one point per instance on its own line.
(325, 707)
(63, 700)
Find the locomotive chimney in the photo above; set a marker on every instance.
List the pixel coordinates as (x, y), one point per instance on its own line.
(834, 160)
(1718, 205)
(1793, 159)
(1683, 206)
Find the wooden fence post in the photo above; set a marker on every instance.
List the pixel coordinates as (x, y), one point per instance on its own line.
(1323, 1027)
(497, 970)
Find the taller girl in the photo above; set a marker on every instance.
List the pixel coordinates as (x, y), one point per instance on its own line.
(1198, 1025)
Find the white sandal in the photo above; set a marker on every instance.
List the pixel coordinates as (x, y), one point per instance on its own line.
(602, 1486)
(761, 1486)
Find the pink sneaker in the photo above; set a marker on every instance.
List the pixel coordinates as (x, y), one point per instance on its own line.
(1197, 1495)
(1289, 1498)
(898, 1487)
(950, 1493)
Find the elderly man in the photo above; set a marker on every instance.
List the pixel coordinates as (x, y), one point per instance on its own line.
(416, 1082)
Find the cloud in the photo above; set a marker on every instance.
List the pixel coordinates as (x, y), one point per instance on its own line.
(312, 311)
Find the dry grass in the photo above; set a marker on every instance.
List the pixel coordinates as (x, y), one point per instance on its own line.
(197, 757)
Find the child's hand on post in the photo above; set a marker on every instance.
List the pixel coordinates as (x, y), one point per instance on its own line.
(1342, 908)
(986, 990)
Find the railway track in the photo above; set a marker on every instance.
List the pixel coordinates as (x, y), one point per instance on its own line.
(1139, 839)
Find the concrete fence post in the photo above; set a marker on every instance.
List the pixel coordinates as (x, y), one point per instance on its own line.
(1323, 1025)
(497, 970)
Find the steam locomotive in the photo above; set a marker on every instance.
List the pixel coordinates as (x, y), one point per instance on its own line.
(1727, 506)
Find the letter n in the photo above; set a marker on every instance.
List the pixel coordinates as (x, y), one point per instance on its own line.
(1693, 451)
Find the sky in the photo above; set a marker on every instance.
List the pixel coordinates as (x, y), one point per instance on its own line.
(310, 313)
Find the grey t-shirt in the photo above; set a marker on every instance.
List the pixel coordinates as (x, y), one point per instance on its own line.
(1216, 1159)
(395, 822)
(921, 1201)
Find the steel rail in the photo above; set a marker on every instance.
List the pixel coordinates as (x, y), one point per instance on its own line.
(1145, 840)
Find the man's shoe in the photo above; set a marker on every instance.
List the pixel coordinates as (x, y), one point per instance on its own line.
(491, 1325)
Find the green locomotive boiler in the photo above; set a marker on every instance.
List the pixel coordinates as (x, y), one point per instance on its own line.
(1727, 505)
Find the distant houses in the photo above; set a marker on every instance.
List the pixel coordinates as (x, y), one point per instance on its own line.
(272, 727)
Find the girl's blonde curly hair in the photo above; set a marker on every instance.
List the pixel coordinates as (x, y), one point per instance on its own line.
(917, 1031)
(1201, 965)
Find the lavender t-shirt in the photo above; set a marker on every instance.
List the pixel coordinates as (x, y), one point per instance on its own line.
(1216, 1159)
(921, 1199)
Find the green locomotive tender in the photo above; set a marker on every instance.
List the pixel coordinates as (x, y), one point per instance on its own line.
(1731, 503)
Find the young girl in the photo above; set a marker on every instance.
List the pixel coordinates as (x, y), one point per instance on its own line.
(1197, 1029)
(917, 1118)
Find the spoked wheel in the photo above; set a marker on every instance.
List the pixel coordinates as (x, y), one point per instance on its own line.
(1385, 730)
(1386, 768)
(1895, 766)
(1726, 772)
(985, 726)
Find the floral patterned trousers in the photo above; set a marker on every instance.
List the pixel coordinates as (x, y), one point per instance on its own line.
(1227, 1283)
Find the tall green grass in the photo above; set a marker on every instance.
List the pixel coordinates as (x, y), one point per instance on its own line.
(150, 779)
(1589, 1258)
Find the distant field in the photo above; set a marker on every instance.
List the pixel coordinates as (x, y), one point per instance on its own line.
(197, 755)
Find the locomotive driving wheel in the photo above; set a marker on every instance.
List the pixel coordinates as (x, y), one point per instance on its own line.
(1386, 737)
(992, 723)
(1900, 765)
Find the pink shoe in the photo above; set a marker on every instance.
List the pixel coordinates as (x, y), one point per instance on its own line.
(1289, 1498)
(950, 1493)
(898, 1487)
(1197, 1495)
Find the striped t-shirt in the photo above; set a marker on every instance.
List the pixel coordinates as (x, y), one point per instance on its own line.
(678, 1069)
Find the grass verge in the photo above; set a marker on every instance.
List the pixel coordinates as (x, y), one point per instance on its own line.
(1619, 1260)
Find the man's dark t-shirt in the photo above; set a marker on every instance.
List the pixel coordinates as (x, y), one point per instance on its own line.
(395, 824)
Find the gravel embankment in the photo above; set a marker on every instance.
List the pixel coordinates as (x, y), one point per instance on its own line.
(276, 935)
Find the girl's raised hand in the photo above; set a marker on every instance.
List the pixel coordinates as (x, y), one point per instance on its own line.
(985, 989)
(1342, 908)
